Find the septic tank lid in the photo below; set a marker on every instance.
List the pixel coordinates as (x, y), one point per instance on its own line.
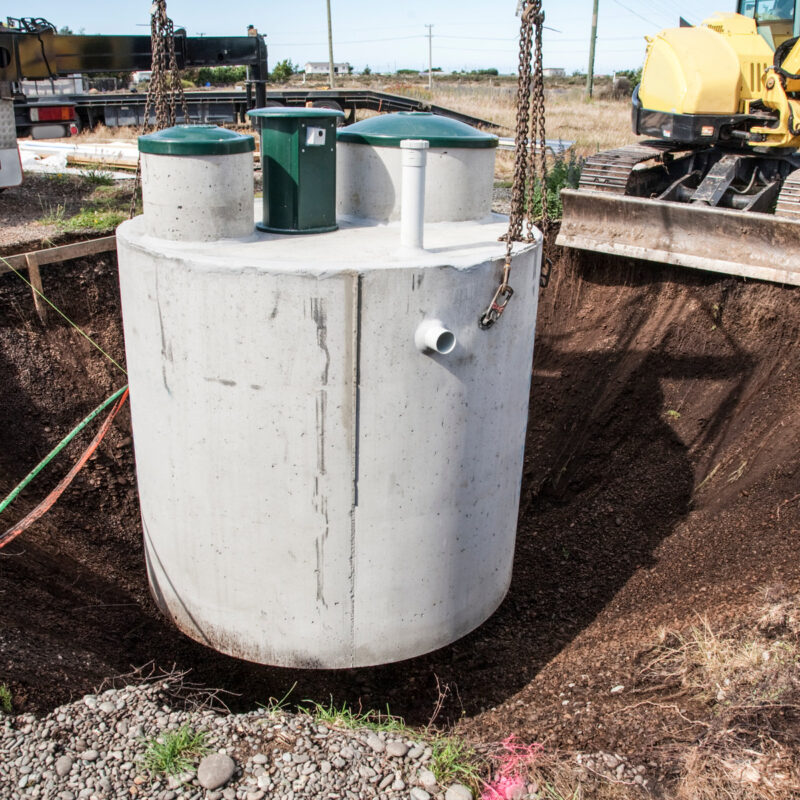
(281, 111)
(196, 140)
(388, 130)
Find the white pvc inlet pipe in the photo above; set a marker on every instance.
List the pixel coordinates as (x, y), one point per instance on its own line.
(412, 208)
(431, 335)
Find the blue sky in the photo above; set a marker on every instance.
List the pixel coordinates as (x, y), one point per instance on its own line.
(388, 36)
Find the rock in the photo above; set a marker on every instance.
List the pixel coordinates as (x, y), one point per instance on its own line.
(107, 708)
(427, 780)
(419, 794)
(259, 758)
(375, 743)
(63, 766)
(459, 792)
(396, 749)
(215, 770)
(416, 751)
(617, 689)
(89, 755)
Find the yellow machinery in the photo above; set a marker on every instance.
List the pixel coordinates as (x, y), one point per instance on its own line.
(717, 183)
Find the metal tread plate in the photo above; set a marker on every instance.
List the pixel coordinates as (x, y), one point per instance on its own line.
(789, 197)
(609, 171)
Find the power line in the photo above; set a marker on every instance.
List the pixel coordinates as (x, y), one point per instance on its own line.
(637, 14)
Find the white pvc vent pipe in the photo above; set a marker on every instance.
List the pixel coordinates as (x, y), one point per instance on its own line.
(412, 209)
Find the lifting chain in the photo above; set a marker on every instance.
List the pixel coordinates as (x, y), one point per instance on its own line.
(529, 150)
(165, 88)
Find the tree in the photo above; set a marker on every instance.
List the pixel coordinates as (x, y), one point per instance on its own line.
(283, 70)
(366, 70)
(65, 31)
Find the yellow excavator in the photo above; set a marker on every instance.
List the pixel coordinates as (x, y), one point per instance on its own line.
(716, 185)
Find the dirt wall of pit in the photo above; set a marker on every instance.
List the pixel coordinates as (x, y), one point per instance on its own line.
(661, 479)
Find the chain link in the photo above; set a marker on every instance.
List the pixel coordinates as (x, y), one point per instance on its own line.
(530, 163)
(165, 88)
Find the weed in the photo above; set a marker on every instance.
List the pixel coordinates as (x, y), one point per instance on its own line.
(673, 414)
(454, 760)
(346, 717)
(54, 215)
(98, 176)
(564, 172)
(5, 699)
(94, 219)
(275, 705)
(174, 752)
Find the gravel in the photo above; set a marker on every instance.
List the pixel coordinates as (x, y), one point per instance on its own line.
(92, 749)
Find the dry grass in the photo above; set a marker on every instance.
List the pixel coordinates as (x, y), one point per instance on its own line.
(743, 683)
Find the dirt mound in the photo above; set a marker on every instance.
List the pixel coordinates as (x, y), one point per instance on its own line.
(661, 482)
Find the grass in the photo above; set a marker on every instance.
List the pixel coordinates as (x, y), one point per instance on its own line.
(96, 203)
(742, 684)
(6, 705)
(98, 177)
(345, 717)
(455, 760)
(174, 752)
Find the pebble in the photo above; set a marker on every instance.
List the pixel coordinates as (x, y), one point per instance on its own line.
(63, 765)
(458, 792)
(397, 749)
(93, 749)
(427, 780)
(215, 770)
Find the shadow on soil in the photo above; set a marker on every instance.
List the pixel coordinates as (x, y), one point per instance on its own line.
(606, 480)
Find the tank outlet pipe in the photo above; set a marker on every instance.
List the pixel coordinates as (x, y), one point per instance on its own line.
(432, 336)
(412, 208)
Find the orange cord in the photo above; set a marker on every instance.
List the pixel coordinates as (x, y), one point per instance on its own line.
(50, 500)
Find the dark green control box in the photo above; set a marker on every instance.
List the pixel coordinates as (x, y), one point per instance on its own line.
(298, 162)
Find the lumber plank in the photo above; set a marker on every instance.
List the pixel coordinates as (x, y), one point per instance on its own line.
(35, 278)
(64, 252)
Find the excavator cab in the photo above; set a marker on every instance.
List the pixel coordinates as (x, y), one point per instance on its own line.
(775, 19)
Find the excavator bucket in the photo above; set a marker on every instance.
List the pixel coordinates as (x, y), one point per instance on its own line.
(749, 244)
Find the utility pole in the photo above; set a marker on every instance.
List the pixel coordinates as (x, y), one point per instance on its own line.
(590, 71)
(430, 56)
(330, 47)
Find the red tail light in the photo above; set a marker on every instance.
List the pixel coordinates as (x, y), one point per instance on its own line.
(53, 114)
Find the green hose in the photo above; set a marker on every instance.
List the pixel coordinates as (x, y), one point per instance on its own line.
(57, 449)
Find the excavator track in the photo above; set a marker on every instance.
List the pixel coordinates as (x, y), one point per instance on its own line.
(789, 197)
(610, 171)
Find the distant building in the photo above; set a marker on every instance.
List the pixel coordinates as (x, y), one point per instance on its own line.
(554, 72)
(323, 68)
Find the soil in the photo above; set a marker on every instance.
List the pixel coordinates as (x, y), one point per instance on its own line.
(661, 482)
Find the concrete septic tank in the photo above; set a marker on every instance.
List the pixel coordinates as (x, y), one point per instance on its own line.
(328, 448)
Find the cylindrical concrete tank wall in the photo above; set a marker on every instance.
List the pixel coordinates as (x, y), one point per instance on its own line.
(460, 167)
(328, 447)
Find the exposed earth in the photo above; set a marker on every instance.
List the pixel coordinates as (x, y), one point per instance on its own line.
(662, 483)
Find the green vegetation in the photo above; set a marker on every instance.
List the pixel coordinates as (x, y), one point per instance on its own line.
(283, 71)
(174, 752)
(673, 414)
(565, 172)
(98, 176)
(454, 760)
(5, 699)
(218, 76)
(345, 717)
(97, 203)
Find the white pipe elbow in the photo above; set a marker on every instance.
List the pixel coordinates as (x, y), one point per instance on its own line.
(432, 336)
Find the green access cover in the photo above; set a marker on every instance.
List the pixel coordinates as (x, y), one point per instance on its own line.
(298, 111)
(388, 130)
(196, 140)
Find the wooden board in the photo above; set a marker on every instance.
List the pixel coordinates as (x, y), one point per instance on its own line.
(55, 255)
